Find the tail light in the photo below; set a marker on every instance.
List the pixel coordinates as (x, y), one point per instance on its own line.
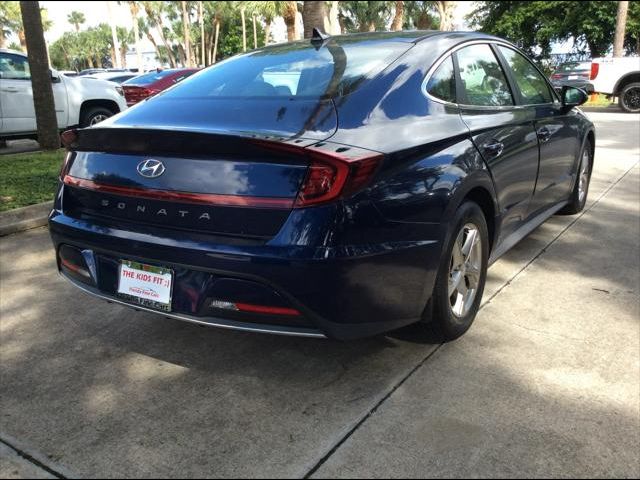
(556, 76)
(331, 175)
(595, 68)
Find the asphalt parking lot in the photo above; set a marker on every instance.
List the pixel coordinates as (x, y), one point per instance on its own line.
(546, 383)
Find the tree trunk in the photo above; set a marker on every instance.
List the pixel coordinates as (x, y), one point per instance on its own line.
(334, 21)
(313, 16)
(136, 33)
(424, 21)
(201, 34)
(22, 39)
(172, 58)
(43, 102)
(244, 30)
(215, 42)
(185, 32)
(267, 31)
(155, 46)
(255, 32)
(290, 18)
(621, 25)
(114, 36)
(446, 10)
(398, 20)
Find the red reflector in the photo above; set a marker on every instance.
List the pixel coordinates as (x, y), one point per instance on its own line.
(74, 268)
(182, 197)
(248, 307)
(595, 68)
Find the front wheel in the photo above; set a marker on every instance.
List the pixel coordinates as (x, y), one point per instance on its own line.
(95, 115)
(578, 198)
(462, 274)
(629, 99)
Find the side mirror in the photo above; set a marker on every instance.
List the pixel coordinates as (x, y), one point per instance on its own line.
(55, 76)
(573, 96)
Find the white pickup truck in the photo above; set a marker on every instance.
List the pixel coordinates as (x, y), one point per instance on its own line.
(618, 77)
(79, 101)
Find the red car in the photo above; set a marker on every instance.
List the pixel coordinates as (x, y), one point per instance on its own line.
(149, 84)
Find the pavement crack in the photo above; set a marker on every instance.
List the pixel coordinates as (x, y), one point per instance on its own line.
(31, 459)
(371, 412)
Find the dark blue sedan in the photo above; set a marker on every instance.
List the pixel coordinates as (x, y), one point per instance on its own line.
(338, 186)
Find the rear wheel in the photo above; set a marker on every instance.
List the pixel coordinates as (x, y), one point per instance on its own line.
(578, 197)
(629, 99)
(462, 274)
(95, 115)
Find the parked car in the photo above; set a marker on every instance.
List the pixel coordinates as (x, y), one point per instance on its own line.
(371, 193)
(117, 77)
(149, 84)
(618, 77)
(573, 74)
(79, 101)
(91, 71)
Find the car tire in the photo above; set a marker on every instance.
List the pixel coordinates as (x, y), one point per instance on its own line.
(578, 198)
(450, 314)
(629, 98)
(94, 115)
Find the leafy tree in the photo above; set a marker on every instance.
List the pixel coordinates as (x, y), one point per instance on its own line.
(535, 25)
(10, 20)
(365, 16)
(76, 18)
(420, 15)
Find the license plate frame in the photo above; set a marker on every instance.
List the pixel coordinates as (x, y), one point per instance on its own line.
(143, 297)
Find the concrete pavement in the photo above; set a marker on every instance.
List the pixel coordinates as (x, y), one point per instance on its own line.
(545, 383)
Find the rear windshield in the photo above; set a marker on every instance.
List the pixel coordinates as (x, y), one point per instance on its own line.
(293, 70)
(574, 66)
(149, 78)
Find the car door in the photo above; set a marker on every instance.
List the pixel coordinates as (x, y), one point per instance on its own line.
(18, 114)
(556, 130)
(503, 133)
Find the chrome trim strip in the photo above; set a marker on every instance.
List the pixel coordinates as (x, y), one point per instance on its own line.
(275, 330)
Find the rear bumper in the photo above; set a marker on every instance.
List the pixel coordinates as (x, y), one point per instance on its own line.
(344, 293)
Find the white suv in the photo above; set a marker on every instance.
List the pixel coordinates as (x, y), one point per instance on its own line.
(79, 101)
(618, 77)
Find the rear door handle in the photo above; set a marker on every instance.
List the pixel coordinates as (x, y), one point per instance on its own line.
(544, 134)
(493, 148)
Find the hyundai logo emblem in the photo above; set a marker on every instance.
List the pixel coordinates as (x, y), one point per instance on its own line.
(151, 168)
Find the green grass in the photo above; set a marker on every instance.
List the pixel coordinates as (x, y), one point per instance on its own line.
(28, 178)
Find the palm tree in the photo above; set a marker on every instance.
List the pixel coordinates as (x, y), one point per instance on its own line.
(186, 27)
(290, 16)
(398, 19)
(43, 102)
(365, 16)
(313, 16)
(10, 20)
(114, 36)
(446, 10)
(201, 20)
(155, 12)
(76, 18)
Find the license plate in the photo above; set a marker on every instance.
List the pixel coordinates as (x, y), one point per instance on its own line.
(146, 285)
(573, 77)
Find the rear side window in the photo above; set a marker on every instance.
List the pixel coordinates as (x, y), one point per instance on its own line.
(293, 70)
(442, 83)
(14, 67)
(532, 85)
(482, 78)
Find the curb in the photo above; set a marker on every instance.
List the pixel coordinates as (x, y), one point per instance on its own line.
(608, 109)
(24, 218)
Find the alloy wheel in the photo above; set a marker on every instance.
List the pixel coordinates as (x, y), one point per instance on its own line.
(464, 269)
(583, 180)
